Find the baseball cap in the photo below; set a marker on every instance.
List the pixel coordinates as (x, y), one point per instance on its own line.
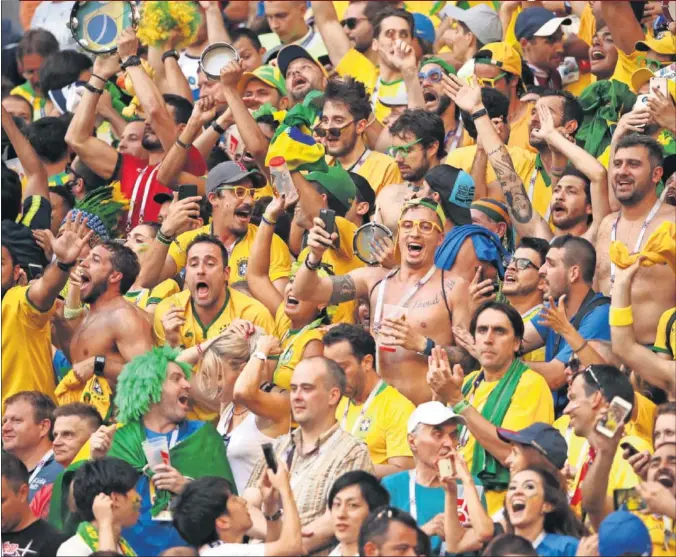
(268, 75)
(538, 22)
(337, 182)
(502, 55)
(423, 27)
(481, 20)
(162, 197)
(643, 75)
(542, 437)
(364, 188)
(663, 43)
(292, 52)
(623, 533)
(229, 172)
(431, 413)
(456, 190)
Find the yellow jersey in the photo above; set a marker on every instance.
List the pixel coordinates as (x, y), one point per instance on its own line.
(383, 424)
(662, 533)
(147, 297)
(293, 346)
(356, 65)
(661, 344)
(193, 331)
(238, 254)
(26, 346)
(532, 402)
(537, 355)
(378, 169)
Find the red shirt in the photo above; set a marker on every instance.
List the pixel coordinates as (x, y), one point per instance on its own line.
(137, 174)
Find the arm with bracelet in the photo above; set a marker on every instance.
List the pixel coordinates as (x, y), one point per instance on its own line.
(208, 139)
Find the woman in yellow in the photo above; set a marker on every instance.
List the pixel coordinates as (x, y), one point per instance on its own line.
(297, 324)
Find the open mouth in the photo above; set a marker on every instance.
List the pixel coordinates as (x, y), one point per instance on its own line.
(243, 212)
(430, 97)
(291, 301)
(666, 478)
(202, 289)
(518, 505)
(510, 278)
(414, 248)
(624, 183)
(299, 81)
(558, 208)
(85, 281)
(596, 55)
(183, 399)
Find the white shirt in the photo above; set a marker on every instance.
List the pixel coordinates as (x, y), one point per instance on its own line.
(76, 547)
(222, 549)
(190, 66)
(53, 17)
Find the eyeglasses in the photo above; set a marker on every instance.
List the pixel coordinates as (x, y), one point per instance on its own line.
(522, 263)
(240, 191)
(490, 81)
(651, 63)
(425, 226)
(402, 150)
(352, 22)
(433, 76)
(333, 133)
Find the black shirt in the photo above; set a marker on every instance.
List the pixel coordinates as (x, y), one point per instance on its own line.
(40, 539)
(37, 215)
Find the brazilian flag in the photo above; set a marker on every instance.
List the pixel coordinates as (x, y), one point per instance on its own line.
(99, 23)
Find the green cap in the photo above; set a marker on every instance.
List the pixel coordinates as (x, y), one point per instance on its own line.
(450, 70)
(268, 75)
(337, 182)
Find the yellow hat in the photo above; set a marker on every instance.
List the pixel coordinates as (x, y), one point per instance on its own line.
(502, 55)
(663, 43)
(267, 74)
(643, 75)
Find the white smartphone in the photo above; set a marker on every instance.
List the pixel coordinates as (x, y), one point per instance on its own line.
(659, 83)
(618, 410)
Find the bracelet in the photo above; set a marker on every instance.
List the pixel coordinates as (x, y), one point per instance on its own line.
(169, 54)
(99, 77)
(268, 220)
(220, 130)
(311, 266)
(479, 113)
(72, 313)
(162, 239)
(461, 407)
(274, 517)
(93, 89)
(183, 145)
(65, 267)
(428, 348)
(585, 343)
(621, 317)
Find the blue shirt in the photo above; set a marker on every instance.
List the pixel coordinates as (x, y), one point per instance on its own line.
(429, 501)
(45, 476)
(557, 545)
(148, 536)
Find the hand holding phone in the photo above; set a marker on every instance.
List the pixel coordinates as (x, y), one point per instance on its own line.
(329, 219)
(626, 446)
(269, 454)
(617, 412)
(187, 190)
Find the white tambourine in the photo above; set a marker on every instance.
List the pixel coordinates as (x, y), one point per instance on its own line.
(215, 57)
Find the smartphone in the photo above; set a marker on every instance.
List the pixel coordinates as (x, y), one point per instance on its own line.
(99, 365)
(618, 410)
(269, 454)
(35, 271)
(659, 83)
(187, 190)
(629, 447)
(629, 500)
(447, 467)
(329, 219)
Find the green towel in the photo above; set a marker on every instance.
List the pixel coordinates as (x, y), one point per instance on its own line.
(59, 515)
(485, 466)
(603, 102)
(200, 454)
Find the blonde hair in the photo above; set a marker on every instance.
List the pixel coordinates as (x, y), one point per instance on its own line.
(233, 348)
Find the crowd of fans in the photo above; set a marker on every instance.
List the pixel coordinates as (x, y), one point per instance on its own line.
(399, 281)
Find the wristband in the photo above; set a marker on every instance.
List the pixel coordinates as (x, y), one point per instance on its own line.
(93, 89)
(268, 220)
(162, 239)
(169, 54)
(72, 313)
(461, 406)
(428, 348)
(99, 77)
(585, 343)
(274, 517)
(220, 130)
(133, 60)
(312, 267)
(478, 114)
(183, 145)
(65, 267)
(621, 317)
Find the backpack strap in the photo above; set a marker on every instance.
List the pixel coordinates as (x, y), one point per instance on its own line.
(587, 307)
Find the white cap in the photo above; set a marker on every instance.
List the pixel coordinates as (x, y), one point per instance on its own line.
(431, 413)
(552, 26)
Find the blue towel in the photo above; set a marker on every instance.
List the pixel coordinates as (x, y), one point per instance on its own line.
(487, 246)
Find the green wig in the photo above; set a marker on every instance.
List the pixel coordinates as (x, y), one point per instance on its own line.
(141, 380)
(103, 208)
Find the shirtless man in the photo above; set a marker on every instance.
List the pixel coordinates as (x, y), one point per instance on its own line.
(635, 170)
(430, 308)
(113, 328)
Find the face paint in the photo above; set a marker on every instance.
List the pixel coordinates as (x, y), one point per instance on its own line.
(136, 502)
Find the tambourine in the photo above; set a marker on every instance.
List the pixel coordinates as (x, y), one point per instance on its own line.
(365, 235)
(215, 57)
(96, 24)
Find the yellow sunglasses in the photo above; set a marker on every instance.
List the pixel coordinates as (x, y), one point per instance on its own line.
(425, 226)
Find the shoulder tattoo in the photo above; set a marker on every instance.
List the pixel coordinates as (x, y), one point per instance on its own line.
(344, 289)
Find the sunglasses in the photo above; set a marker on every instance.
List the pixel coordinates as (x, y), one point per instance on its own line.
(402, 150)
(240, 191)
(651, 63)
(333, 133)
(490, 81)
(522, 263)
(352, 22)
(433, 76)
(425, 226)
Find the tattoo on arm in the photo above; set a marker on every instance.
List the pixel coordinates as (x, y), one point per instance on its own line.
(512, 186)
(457, 355)
(344, 289)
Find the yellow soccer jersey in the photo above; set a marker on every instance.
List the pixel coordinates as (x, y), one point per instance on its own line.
(379, 170)
(661, 344)
(147, 297)
(537, 355)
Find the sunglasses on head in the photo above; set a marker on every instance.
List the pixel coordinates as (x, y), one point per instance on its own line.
(352, 22)
(433, 76)
(333, 133)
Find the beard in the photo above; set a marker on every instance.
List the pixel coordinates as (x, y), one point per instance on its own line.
(151, 145)
(418, 173)
(95, 293)
(569, 221)
(444, 103)
(343, 149)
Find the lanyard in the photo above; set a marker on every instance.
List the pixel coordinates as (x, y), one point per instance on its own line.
(639, 240)
(40, 465)
(456, 134)
(413, 507)
(146, 192)
(364, 408)
(360, 161)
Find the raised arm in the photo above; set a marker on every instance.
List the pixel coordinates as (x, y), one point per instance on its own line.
(290, 540)
(216, 30)
(623, 25)
(169, 77)
(207, 140)
(332, 32)
(31, 163)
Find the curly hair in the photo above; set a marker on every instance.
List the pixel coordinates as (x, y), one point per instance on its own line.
(141, 380)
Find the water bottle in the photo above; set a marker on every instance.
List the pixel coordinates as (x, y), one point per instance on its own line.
(281, 177)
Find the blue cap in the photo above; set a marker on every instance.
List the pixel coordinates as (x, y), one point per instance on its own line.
(538, 22)
(623, 533)
(424, 28)
(542, 437)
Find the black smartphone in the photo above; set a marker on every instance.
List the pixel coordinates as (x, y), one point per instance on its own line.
(187, 190)
(99, 365)
(269, 454)
(329, 219)
(629, 447)
(35, 271)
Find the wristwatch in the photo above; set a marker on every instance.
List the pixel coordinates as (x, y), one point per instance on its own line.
(260, 355)
(169, 54)
(217, 127)
(133, 60)
(479, 113)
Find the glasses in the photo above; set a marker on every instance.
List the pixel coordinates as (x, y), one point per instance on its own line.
(650, 63)
(425, 226)
(402, 150)
(433, 76)
(241, 192)
(352, 22)
(522, 263)
(333, 133)
(490, 81)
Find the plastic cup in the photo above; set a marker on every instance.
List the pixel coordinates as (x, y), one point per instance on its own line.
(156, 451)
